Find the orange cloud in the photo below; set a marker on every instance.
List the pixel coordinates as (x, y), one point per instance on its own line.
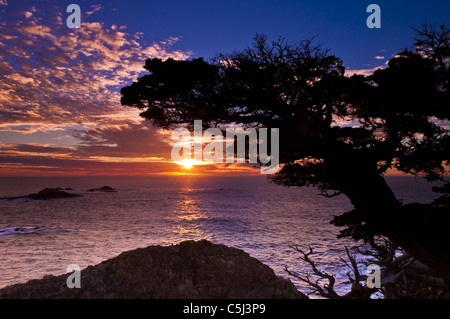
(366, 72)
(67, 82)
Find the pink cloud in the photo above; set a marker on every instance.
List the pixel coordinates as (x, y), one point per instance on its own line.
(60, 76)
(55, 79)
(366, 72)
(95, 8)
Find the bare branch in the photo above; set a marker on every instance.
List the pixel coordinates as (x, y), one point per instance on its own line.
(325, 194)
(357, 290)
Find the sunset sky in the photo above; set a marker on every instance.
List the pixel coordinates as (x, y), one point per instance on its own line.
(60, 111)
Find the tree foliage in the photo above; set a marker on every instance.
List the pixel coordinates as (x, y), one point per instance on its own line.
(336, 132)
(301, 88)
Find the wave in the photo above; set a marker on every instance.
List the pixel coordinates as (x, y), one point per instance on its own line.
(7, 231)
(19, 230)
(17, 199)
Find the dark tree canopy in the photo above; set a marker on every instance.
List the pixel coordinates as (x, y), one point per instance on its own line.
(302, 89)
(394, 120)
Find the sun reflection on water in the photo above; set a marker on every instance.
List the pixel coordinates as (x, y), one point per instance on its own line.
(186, 215)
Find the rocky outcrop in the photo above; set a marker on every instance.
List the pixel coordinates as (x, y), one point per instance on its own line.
(103, 189)
(47, 193)
(58, 192)
(189, 270)
(50, 193)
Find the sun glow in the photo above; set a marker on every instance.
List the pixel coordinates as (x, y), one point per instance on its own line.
(187, 163)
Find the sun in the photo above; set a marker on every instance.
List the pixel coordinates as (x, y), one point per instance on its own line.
(187, 163)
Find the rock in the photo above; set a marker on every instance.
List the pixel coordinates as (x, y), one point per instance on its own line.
(189, 270)
(103, 189)
(64, 189)
(47, 193)
(50, 193)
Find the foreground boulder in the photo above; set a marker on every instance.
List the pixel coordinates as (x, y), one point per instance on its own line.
(197, 270)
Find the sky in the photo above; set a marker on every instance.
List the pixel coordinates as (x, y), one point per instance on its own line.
(60, 111)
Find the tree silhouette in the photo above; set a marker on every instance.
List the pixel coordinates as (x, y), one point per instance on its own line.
(301, 89)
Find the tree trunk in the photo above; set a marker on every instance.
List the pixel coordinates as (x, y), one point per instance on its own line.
(425, 239)
(420, 230)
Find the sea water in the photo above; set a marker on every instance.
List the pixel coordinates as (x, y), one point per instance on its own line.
(42, 237)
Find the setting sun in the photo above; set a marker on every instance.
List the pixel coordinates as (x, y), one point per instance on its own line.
(187, 163)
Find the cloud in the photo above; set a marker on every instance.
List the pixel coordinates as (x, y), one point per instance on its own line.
(379, 57)
(34, 150)
(365, 72)
(30, 128)
(132, 145)
(57, 75)
(95, 8)
(68, 80)
(132, 140)
(53, 166)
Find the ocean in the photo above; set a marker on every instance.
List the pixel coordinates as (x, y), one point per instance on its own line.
(39, 238)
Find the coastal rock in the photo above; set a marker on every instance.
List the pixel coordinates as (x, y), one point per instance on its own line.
(64, 189)
(47, 193)
(103, 189)
(189, 270)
